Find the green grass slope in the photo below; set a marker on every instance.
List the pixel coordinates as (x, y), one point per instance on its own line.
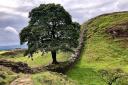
(102, 52)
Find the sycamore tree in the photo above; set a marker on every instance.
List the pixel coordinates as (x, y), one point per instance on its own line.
(50, 29)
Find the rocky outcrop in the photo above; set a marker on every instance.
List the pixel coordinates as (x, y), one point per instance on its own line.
(119, 30)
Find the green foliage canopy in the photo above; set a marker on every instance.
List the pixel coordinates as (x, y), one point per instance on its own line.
(50, 29)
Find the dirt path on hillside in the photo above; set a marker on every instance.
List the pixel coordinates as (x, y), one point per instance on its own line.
(24, 80)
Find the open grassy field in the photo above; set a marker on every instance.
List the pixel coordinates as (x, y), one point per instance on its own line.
(38, 58)
(102, 52)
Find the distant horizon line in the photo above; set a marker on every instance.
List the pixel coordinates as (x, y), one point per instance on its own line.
(13, 45)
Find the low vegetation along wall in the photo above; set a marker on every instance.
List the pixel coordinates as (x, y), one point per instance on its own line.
(61, 68)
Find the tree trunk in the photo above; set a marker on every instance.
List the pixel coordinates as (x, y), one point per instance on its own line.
(54, 57)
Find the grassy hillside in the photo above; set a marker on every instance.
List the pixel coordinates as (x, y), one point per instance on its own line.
(103, 57)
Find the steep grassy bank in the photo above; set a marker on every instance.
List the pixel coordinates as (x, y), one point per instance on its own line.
(102, 51)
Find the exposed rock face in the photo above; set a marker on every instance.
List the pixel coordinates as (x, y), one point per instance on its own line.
(120, 30)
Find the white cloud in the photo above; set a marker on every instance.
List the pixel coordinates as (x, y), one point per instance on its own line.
(87, 8)
(9, 6)
(11, 29)
(9, 36)
(14, 13)
(82, 10)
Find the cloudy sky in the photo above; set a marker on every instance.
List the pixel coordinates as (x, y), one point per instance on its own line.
(14, 13)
